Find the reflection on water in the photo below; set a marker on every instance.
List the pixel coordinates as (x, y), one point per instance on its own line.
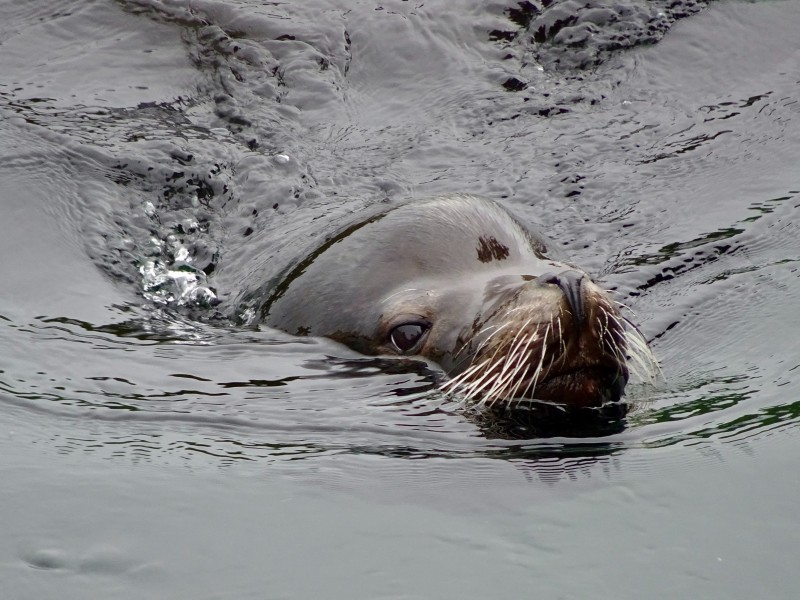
(233, 145)
(161, 385)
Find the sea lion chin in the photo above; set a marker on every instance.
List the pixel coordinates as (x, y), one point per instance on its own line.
(460, 281)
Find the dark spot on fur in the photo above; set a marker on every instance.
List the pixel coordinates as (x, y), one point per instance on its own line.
(490, 249)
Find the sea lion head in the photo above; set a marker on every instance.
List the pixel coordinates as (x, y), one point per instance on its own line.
(458, 280)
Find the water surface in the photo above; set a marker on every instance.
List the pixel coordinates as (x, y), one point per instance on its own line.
(162, 161)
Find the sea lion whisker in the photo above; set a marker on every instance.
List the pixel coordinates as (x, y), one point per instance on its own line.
(456, 383)
(479, 333)
(626, 307)
(642, 361)
(604, 324)
(493, 392)
(511, 378)
(522, 308)
(552, 354)
(524, 355)
(498, 348)
(639, 357)
(530, 389)
(534, 377)
(462, 383)
(640, 368)
(475, 386)
(397, 293)
(539, 367)
(511, 346)
(457, 363)
(510, 384)
(615, 349)
(485, 372)
(561, 341)
(617, 352)
(618, 347)
(484, 342)
(500, 389)
(509, 361)
(495, 384)
(621, 322)
(638, 335)
(461, 377)
(626, 323)
(608, 340)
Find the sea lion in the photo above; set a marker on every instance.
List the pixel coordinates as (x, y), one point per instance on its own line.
(460, 281)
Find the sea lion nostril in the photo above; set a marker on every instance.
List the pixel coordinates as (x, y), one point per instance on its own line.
(571, 283)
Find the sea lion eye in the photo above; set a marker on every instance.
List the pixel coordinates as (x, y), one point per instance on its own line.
(407, 336)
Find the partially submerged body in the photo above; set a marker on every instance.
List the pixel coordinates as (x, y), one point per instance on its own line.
(457, 279)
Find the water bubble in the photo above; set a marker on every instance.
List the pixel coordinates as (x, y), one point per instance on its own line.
(182, 255)
(247, 316)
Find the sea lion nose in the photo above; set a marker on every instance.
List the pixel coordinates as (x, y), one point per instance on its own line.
(571, 283)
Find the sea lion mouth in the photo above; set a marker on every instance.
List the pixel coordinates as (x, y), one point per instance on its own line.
(584, 387)
(578, 402)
